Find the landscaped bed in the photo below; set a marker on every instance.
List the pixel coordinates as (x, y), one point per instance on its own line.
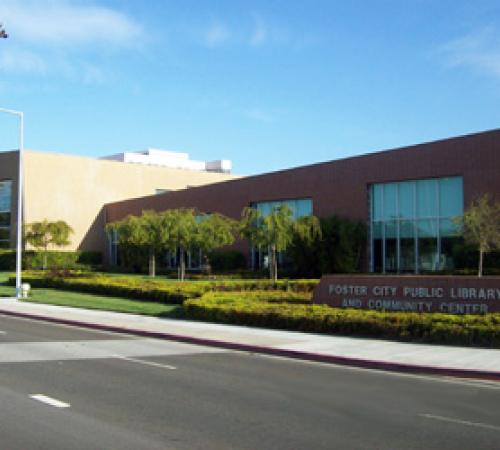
(91, 301)
(159, 290)
(236, 308)
(284, 305)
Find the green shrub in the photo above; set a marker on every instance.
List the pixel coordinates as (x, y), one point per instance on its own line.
(243, 274)
(466, 257)
(225, 298)
(8, 260)
(133, 259)
(68, 260)
(165, 291)
(127, 287)
(33, 259)
(339, 249)
(225, 261)
(262, 285)
(475, 330)
(89, 258)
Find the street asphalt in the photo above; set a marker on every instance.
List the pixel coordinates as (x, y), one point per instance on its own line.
(68, 388)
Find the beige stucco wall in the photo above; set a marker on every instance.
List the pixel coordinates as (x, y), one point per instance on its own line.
(75, 188)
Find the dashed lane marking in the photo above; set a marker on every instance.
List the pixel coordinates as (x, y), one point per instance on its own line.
(50, 401)
(11, 352)
(146, 363)
(461, 422)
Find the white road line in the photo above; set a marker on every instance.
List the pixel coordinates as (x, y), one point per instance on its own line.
(50, 401)
(461, 422)
(476, 383)
(146, 363)
(3, 332)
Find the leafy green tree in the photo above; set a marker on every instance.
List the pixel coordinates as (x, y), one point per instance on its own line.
(214, 231)
(146, 231)
(128, 233)
(481, 227)
(342, 245)
(276, 231)
(43, 234)
(188, 230)
(175, 229)
(180, 229)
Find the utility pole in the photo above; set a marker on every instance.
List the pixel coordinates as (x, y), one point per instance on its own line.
(20, 115)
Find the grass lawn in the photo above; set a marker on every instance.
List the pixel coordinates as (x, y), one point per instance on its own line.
(89, 301)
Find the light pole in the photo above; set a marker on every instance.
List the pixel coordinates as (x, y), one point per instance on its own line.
(19, 241)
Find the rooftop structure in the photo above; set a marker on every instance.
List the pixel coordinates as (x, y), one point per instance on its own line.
(173, 160)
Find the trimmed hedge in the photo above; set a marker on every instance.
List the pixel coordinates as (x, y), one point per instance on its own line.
(158, 290)
(263, 285)
(470, 330)
(133, 288)
(225, 298)
(33, 259)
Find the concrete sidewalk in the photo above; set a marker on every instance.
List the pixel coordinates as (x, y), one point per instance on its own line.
(369, 353)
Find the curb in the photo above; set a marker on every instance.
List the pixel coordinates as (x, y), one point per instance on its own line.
(294, 354)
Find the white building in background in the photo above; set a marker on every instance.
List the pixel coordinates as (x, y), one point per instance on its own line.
(173, 160)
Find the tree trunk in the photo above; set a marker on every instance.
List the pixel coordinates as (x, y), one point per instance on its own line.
(269, 262)
(44, 259)
(152, 263)
(480, 270)
(182, 264)
(274, 264)
(275, 259)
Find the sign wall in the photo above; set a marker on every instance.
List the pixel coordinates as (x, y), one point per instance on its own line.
(447, 294)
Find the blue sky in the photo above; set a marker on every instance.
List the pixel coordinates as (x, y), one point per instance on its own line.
(267, 84)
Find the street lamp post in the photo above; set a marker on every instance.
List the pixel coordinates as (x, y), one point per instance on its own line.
(19, 241)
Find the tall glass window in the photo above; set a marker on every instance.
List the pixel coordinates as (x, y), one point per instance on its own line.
(412, 226)
(300, 207)
(5, 211)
